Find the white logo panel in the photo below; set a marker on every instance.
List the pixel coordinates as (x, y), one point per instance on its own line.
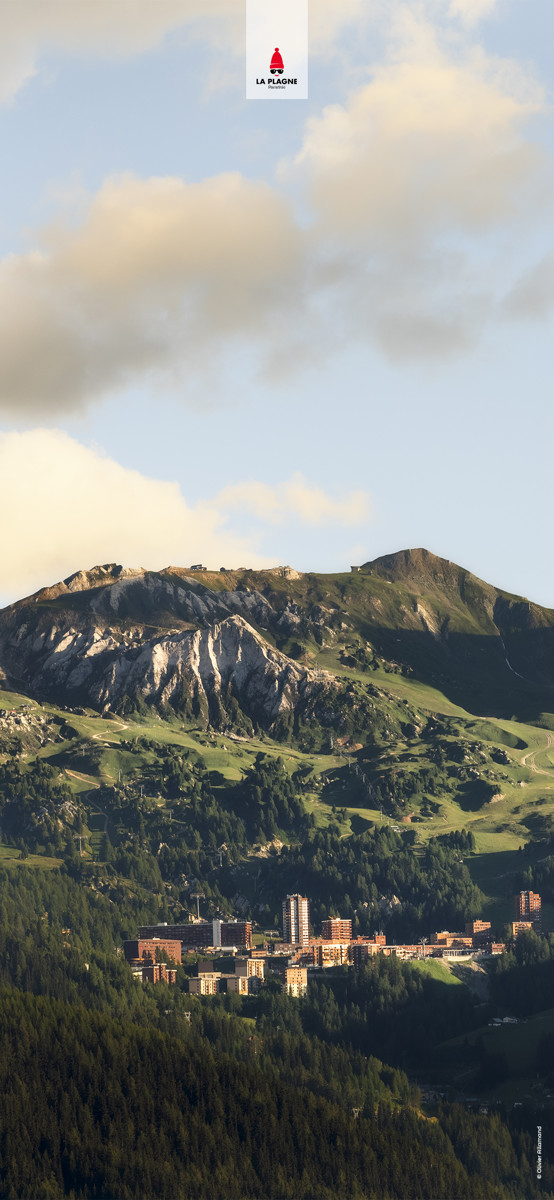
(276, 49)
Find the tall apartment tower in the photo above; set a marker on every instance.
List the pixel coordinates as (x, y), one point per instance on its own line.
(296, 920)
(528, 908)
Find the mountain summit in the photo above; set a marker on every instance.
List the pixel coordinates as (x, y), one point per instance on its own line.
(424, 570)
(277, 642)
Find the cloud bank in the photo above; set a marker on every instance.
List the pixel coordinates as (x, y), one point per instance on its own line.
(294, 499)
(158, 275)
(398, 188)
(433, 143)
(72, 507)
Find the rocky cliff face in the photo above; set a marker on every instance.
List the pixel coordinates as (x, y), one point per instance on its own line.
(97, 653)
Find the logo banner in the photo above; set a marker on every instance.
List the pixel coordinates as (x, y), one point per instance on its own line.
(276, 49)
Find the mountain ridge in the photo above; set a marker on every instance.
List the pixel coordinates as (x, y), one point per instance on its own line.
(83, 636)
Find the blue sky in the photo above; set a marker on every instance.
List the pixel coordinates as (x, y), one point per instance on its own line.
(307, 332)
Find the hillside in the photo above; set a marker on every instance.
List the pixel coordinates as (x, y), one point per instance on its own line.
(111, 635)
(147, 708)
(370, 739)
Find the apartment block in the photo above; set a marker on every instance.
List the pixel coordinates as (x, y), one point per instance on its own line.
(251, 968)
(334, 929)
(296, 920)
(362, 949)
(408, 951)
(158, 973)
(196, 935)
(144, 949)
(232, 933)
(520, 927)
(474, 927)
(331, 954)
(480, 932)
(239, 984)
(303, 956)
(206, 967)
(527, 906)
(205, 985)
(244, 985)
(248, 977)
(294, 981)
(451, 940)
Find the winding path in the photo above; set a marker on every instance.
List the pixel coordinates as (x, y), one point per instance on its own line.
(83, 778)
(528, 760)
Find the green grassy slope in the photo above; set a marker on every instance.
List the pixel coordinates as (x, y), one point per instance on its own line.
(435, 732)
(92, 752)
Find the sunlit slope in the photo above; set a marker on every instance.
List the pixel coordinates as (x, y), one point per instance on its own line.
(409, 613)
(410, 693)
(513, 761)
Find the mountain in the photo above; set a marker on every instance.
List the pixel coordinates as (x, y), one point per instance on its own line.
(264, 644)
(109, 636)
(485, 639)
(254, 710)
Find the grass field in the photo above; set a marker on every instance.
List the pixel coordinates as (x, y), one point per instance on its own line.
(525, 784)
(9, 700)
(9, 857)
(436, 969)
(232, 758)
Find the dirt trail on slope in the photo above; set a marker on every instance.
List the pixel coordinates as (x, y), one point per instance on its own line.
(528, 760)
(83, 778)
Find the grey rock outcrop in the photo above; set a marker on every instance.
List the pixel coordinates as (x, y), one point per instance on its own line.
(84, 658)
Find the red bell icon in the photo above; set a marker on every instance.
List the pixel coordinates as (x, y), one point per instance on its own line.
(276, 67)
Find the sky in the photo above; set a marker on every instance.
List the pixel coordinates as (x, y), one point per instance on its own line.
(307, 331)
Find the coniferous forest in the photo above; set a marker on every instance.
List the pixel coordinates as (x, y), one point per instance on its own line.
(377, 789)
(112, 1090)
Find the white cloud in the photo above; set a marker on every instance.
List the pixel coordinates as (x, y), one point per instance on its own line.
(407, 181)
(328, 19)
(472, 11)
(72, 507)
(157, 277)
(295, 499)
(432, 143)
